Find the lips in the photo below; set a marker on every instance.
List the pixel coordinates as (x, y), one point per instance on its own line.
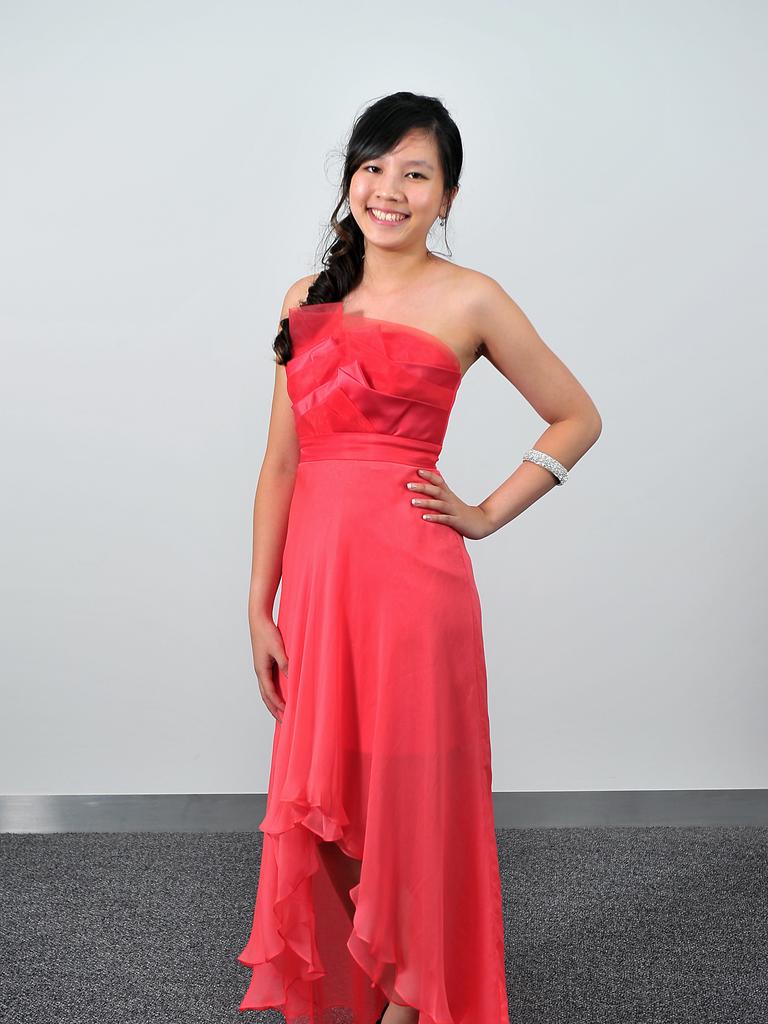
(401, 217)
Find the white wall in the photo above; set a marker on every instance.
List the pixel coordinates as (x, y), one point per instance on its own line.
(167, 170)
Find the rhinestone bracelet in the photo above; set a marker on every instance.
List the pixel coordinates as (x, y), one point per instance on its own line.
(542, 459)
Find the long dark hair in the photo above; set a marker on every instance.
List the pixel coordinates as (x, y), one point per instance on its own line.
(377, 130)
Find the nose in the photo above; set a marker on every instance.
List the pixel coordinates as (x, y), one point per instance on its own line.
(388, 189)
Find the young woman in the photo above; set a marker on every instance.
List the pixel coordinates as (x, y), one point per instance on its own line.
(379, 885)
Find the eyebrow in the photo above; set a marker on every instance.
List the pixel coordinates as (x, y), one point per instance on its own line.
(422, 163)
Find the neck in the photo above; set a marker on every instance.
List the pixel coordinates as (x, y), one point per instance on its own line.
(387, 272)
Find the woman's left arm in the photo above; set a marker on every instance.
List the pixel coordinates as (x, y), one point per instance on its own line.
(512, 345)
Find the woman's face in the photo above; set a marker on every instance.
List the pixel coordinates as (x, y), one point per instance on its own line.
(407, 180)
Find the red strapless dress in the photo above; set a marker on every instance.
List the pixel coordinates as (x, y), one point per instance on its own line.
(384, 747)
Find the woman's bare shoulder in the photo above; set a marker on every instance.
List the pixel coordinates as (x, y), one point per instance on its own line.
(298, 290)
(470, 283)
(466, 295)
(467, 287)
(297, 293)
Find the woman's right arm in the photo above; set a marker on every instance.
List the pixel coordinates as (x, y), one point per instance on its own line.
(271, 506)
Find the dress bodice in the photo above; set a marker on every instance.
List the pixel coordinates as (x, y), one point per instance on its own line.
(355, 374)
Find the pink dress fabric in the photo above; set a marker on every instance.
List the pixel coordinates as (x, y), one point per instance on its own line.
(384, 747)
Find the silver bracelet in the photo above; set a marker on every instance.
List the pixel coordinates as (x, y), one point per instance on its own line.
(542, 459)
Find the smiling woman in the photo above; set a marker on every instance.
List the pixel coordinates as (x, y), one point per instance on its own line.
(414, 138)
(379, 890)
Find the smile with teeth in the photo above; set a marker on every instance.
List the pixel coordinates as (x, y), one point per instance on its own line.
(391, 218)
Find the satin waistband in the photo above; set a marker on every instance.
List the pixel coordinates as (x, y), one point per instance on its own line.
(374, 447)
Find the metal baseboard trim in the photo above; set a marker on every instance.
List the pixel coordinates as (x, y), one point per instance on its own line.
(235, 812)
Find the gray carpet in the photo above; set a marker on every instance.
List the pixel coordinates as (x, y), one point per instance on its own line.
(653, 925)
